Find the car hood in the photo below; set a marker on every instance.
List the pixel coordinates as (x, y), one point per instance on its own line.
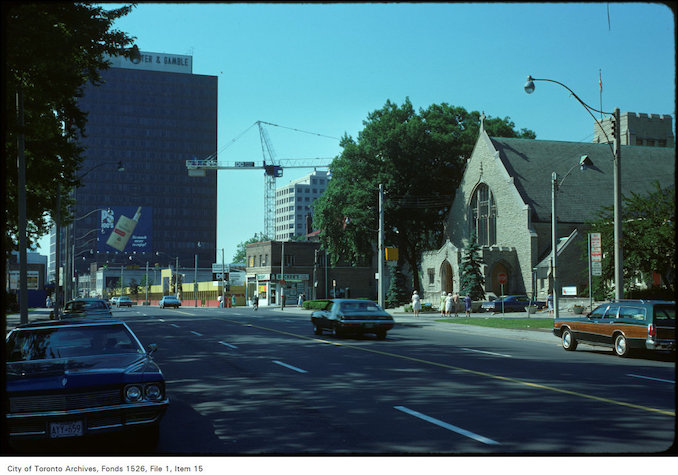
(80, 372)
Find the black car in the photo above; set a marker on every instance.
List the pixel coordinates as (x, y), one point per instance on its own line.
(511, 303)
(78, 379)
(352, 316)
(86, 307)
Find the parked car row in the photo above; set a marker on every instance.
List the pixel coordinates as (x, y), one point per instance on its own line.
(511, 303)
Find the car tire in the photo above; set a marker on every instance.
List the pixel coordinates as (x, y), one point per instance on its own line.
(381, 335)
(621, 345)
(336, 332)
(568, 341)
(317, 330)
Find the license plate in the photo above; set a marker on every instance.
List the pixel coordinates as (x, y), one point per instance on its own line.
(58, 430)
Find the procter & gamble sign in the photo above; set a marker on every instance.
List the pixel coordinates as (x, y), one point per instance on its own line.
(172, 63)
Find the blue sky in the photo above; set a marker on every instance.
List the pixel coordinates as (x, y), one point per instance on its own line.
(322, 68)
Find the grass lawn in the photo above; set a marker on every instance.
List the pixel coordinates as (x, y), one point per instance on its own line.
(497, 322)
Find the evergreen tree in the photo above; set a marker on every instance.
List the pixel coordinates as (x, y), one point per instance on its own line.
(472, 280)
(397, 293)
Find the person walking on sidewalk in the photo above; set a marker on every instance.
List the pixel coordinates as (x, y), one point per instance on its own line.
(448, 305)
(443, 297)
(455, 302)
(467, 305)
(416, 304)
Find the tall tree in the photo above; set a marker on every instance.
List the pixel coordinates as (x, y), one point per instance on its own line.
(52, 50)
(471, 281)
(649, 229)
(420, 159)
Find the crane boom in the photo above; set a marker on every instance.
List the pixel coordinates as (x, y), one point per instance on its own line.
(272, 167)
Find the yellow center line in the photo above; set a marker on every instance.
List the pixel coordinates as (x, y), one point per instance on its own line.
(466, 370)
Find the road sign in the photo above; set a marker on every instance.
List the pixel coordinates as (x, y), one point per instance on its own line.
(596, 268)
(502, 278)
(596, 250)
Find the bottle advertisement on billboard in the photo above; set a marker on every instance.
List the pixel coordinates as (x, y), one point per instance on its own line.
(126, 229)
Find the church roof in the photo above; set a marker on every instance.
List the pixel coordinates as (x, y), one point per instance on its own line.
(583, 193)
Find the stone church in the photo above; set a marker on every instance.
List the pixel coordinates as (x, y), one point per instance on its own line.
(505, 200)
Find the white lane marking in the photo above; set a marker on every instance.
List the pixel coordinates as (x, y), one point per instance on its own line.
(161, 320)
(653, 379)
(196, 333)
(447, 426)
(290, 366)
(227, 344)
(487, 352)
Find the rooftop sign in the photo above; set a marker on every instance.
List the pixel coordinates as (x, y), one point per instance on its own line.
(172, 63)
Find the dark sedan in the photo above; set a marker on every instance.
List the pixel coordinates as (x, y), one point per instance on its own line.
(352, 316)
(86, 307)
(80, 378)
(511, 303)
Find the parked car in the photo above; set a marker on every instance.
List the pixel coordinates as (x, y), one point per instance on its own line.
(511, 303)
(170, 301)
(123, 302)
(86, 307)
(80, 378)
(352, 316)
(624, 325)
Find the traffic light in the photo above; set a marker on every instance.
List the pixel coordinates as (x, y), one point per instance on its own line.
(613, 127)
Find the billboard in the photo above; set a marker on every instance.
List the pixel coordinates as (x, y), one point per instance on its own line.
(126, 229)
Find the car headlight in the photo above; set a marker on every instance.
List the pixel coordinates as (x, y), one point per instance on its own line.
(143, 392)
(153, 392)
(133, 393)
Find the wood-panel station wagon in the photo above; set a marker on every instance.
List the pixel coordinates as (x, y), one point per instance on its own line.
(624, 325)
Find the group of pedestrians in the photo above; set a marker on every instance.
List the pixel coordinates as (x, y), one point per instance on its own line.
(448, 303)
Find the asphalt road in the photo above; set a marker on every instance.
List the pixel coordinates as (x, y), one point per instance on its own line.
(246, 382)
(261, 383)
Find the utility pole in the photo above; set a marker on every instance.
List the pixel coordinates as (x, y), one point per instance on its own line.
(618, 258)
(381, 247)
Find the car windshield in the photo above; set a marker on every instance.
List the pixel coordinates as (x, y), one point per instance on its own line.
(360, 307)
(65, 342)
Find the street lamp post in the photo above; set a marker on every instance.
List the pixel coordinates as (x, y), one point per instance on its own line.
(584, 163)
(616, 156)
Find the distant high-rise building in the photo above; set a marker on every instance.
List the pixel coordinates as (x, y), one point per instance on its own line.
(293, 204)
(147, 118)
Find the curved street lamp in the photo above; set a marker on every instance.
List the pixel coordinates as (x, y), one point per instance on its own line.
(616, 157)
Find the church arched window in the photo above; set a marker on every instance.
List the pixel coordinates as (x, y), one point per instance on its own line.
(483, 214)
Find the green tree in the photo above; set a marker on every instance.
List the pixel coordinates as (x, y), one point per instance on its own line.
(52, 50)
(649, 241)
(471, 280)
(420, 159)
(241, 250)
(397, 293)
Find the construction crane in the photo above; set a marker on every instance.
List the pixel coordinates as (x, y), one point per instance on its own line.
(273, 169)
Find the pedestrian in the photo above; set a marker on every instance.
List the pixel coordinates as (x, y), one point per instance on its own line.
(443, 296)
(48, 302)
(282, 299)
(455, 302)
(300, 302)
(255, 301)
(448, 305)
(220, 300)
(549, 301)
(467, 305)
(416, 304)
